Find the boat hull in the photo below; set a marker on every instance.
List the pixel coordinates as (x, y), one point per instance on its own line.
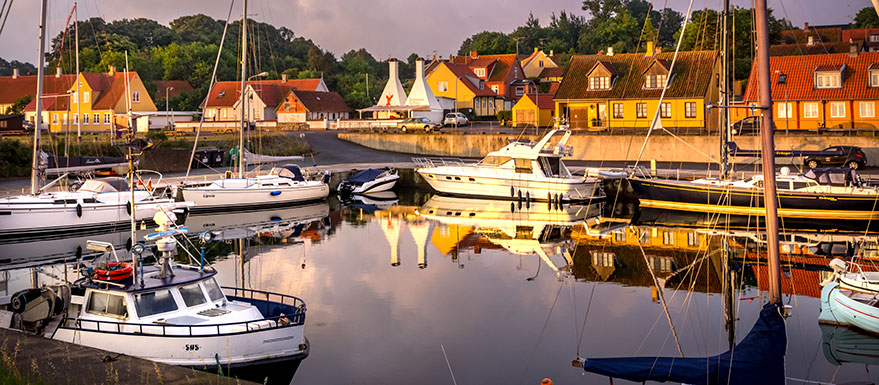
(214, 199)
(674, 195)
(839, 309)
(378, 185)
(555, 189)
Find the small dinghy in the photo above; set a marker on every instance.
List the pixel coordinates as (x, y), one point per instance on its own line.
(849, 298)
(370, 181)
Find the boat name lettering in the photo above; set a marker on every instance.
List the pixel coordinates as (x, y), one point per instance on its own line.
(192, 347)
(207, 196)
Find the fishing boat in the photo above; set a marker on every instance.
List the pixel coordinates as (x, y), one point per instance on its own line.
(830, 193)
(282, 186)
(370, 181)
(520, 170)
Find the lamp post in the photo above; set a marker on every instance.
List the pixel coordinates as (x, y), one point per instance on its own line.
(167, 116)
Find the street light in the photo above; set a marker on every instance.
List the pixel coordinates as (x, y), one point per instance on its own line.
(167, 117)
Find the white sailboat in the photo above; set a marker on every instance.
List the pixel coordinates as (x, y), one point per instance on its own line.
(521, 170)
(283, 186)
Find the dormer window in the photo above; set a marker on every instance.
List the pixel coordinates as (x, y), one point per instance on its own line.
(874, 38)
(656, 75)
(480, 72)
(874, 75)
(599, 83)
(655, 81)
(829, 76)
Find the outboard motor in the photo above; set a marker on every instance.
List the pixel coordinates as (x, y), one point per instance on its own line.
(35, 305)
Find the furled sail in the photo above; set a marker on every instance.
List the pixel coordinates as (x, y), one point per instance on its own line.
(251, 158)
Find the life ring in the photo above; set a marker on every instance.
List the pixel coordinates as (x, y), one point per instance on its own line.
(78, 210)
(114, 271)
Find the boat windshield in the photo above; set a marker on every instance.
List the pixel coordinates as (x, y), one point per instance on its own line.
(213, 289)
(495, 160)
(155, 302)
(549, 165)
(834, 176)
(192, 295)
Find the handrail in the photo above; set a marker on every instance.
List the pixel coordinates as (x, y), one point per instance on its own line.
(435, 162)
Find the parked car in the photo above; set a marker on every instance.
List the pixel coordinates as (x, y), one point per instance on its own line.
(416, 123)
(847, 156)
(750, 125)
(456, 119)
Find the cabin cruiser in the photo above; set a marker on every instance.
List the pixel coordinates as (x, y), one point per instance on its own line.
(171, 313)
(98, 204)
(369, 181)
(521, 170)
(282, 186)
(829, 193)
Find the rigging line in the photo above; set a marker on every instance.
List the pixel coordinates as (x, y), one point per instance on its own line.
(207, 97)
(448, 364)
(5, 16)
(540, 336)
(585, 317)
(665, 88)
(661, 299)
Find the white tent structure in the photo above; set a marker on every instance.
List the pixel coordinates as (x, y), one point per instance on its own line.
(422, 97)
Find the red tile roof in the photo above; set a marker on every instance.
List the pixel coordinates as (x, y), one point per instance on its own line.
(691, 76)
(320, 101)
(830, 67)
(820, 35)
(270, 91)
(108, 88)
(552, 72)
(554, 88)
(505, 63)
(800, 77)
(464, 72)
(179, 87)
(14, 89)
(814, 49)
(544, 101)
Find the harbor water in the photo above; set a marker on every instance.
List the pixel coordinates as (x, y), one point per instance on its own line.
(411, 287)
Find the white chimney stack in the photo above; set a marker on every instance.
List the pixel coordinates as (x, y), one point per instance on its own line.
(609, 51)
(15, 73)
(58, 72)
(393, 94)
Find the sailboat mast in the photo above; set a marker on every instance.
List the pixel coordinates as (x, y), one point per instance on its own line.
(38, 121)
(724, 95)
(770, 200)
(78, 94)
(243, 85)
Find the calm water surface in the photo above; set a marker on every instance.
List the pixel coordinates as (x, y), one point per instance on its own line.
(419, 289)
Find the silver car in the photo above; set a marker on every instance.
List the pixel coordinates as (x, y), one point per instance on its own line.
(418, 123)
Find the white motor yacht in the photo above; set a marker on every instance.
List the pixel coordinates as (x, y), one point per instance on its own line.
(370, 181)
(521, 170)
(282, 186)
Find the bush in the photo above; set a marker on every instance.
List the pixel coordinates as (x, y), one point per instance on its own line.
(505, 115)
(15, 158)
(157, 136)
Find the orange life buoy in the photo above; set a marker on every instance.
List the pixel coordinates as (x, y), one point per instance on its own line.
(114, 271)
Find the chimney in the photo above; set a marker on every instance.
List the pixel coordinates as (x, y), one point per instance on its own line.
(657, 50)
(15, 73)
(474, 54)
(419, 69)
(58, 72)
(111, 70)
(806, 28)
(393, 72)
(284, 78)
(810, 40)
(852, 49)
(609, 51)
(551, 53)
(600, 52)
(535, 49)
(649, 52)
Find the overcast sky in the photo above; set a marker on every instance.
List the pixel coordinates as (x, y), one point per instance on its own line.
(384, 27)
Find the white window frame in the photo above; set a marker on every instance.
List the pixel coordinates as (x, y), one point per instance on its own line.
(639, 108)
(55, 118)
(495, 88)
(810, 110)
(479, 72)
(874, 38)
(64, 118)
(867, 109)
(825, 80)
(442, 86)
(86, 97)
(74, 118)
(106, 118)
(73, 98)
(520, 90)
(96, 118)
(689, 112)
(135, 96)
(85, 118)
(836, 108)
(621, 110)
(874, 78)
(785, 110)
(663, 108)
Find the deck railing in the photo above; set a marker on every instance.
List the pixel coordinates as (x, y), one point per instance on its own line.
(436, 162)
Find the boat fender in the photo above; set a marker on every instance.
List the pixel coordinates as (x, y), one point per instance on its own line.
(78, 252)
(528, 196)
(128, 208)
(276, 193)
(520, 194)
(512, 192)
(78, 210)
(512, 207)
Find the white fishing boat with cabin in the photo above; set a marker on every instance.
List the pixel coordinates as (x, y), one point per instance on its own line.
(521, 170)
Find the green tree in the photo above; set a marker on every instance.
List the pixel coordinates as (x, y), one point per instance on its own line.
(19, 105)
(489, 43)
(866, 18)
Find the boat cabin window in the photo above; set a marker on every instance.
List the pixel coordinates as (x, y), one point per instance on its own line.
(799, 185)
(106, 304)
(155, 302)
(782, 184)
(214, 291)
(192, 295)
(550, 166)
(523, 166)
(495, 160)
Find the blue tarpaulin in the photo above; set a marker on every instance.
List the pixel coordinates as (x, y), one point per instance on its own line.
(758, 359)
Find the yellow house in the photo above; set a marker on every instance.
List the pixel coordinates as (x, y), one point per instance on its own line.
(524, 109)
(101, 103)
(601, 92)
(534, 64)
(458, 82)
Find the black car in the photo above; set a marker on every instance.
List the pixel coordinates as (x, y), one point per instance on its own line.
(750, 124)
(847, 156)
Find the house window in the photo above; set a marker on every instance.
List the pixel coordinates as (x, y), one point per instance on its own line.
(867, 110)
(874, 38)
(86, 97)
(495, 88)
(692, 238)
(617, 110)
(74, 98)
(54, 118)
(85, 118)
(75, 118)
(540, 64)
(655, 81)
(874, 78)
(520, 90)
(106, 118)
(827, 80)
(668, 238)
(837, 110)
(641, 109)
(599, 83)
(64, 118)
(483, 103)
(810, 110)
(224, 114)
(442, 86)
(690, 109)
(96, 118)
(665, 110)
(135, 96)
(784, 111)
(480, 72)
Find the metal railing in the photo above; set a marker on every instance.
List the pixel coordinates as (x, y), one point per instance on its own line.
(290, 311)
(436, 162)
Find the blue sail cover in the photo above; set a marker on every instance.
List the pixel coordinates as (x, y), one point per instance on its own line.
(365, 176)
(758, 359)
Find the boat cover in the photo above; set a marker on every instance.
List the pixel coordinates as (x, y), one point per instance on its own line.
(758, 359)
(365, 176)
